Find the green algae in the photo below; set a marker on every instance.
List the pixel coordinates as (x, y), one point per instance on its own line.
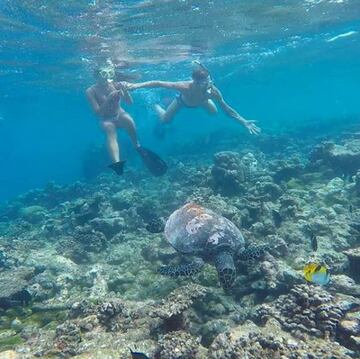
(9, 342)
(48, 319)
(295, 183)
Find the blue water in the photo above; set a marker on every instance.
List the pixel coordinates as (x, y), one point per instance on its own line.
(280, 63)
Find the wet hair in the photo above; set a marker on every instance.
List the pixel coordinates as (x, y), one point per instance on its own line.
(96, 72)
(200, 74)
(130, 76)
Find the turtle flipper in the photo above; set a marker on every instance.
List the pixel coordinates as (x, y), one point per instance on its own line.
(182, 270)
(253, 252)
(226, 269)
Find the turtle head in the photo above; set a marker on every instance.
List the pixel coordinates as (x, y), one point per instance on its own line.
(225, 267)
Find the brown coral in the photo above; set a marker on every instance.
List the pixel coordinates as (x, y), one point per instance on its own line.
(251, 342)
(172, 308)
(307, 309)
(180, 344)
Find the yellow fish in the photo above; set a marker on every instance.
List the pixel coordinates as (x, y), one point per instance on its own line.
(316, 273)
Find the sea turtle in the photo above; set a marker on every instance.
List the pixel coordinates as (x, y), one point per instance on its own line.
(200, 232)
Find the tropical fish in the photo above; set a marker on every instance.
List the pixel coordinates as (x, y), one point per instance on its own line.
(316, 273)
(138, 355)
(314, 242)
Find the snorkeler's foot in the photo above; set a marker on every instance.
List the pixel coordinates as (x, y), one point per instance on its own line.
(118, 167)
(152, 161)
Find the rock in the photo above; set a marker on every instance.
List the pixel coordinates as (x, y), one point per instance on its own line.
(344, 159)
(349, 330)
(353, 255)
(9, 354)
(357, 183)
(351, 323)
(13, 287)
(343, 284)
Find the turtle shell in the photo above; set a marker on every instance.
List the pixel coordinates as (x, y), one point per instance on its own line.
(193, 229)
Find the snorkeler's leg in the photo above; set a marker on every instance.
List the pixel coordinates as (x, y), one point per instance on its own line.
(126, 122)
(210, 107)
(159, 111)
(113, 147)
(167, 115)
(111, 141)
(151, 160)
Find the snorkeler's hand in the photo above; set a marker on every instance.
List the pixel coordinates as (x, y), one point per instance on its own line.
(252, 128)
(115, 95)
(128, 86)
(122, 85)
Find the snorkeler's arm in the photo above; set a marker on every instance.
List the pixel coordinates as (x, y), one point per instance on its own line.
(93, 102)
(217, 95)
(123, 87)
(100, 110)
(181, 85)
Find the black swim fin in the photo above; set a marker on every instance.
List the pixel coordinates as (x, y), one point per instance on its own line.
(118, 167)
(152, 161)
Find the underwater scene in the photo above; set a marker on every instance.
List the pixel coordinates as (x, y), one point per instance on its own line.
(180, 179)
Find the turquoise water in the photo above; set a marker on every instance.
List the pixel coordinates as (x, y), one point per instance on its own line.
(282, 63)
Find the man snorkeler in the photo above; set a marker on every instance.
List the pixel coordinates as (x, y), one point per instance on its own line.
(105, 98)
(198, 92)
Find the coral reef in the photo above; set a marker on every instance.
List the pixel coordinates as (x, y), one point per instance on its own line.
(228, 172)
(78, 263)
(67, 336)
(180, 344)
(343, 159)
(172, 308)
(251, 341)
(309, 309)
(13, 286)
(108, 314)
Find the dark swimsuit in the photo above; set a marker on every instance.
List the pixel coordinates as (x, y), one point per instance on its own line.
(181, 102)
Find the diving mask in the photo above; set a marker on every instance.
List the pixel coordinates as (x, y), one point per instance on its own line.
(107, 73)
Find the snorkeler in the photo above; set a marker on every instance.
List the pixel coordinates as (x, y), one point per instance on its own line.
(105, 98)
(198, 92)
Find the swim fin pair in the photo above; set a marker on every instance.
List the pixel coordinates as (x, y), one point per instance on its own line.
(152, 161)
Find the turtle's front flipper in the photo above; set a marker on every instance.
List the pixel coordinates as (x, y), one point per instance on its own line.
(182, 270)
(226, 269)
(253, 252)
